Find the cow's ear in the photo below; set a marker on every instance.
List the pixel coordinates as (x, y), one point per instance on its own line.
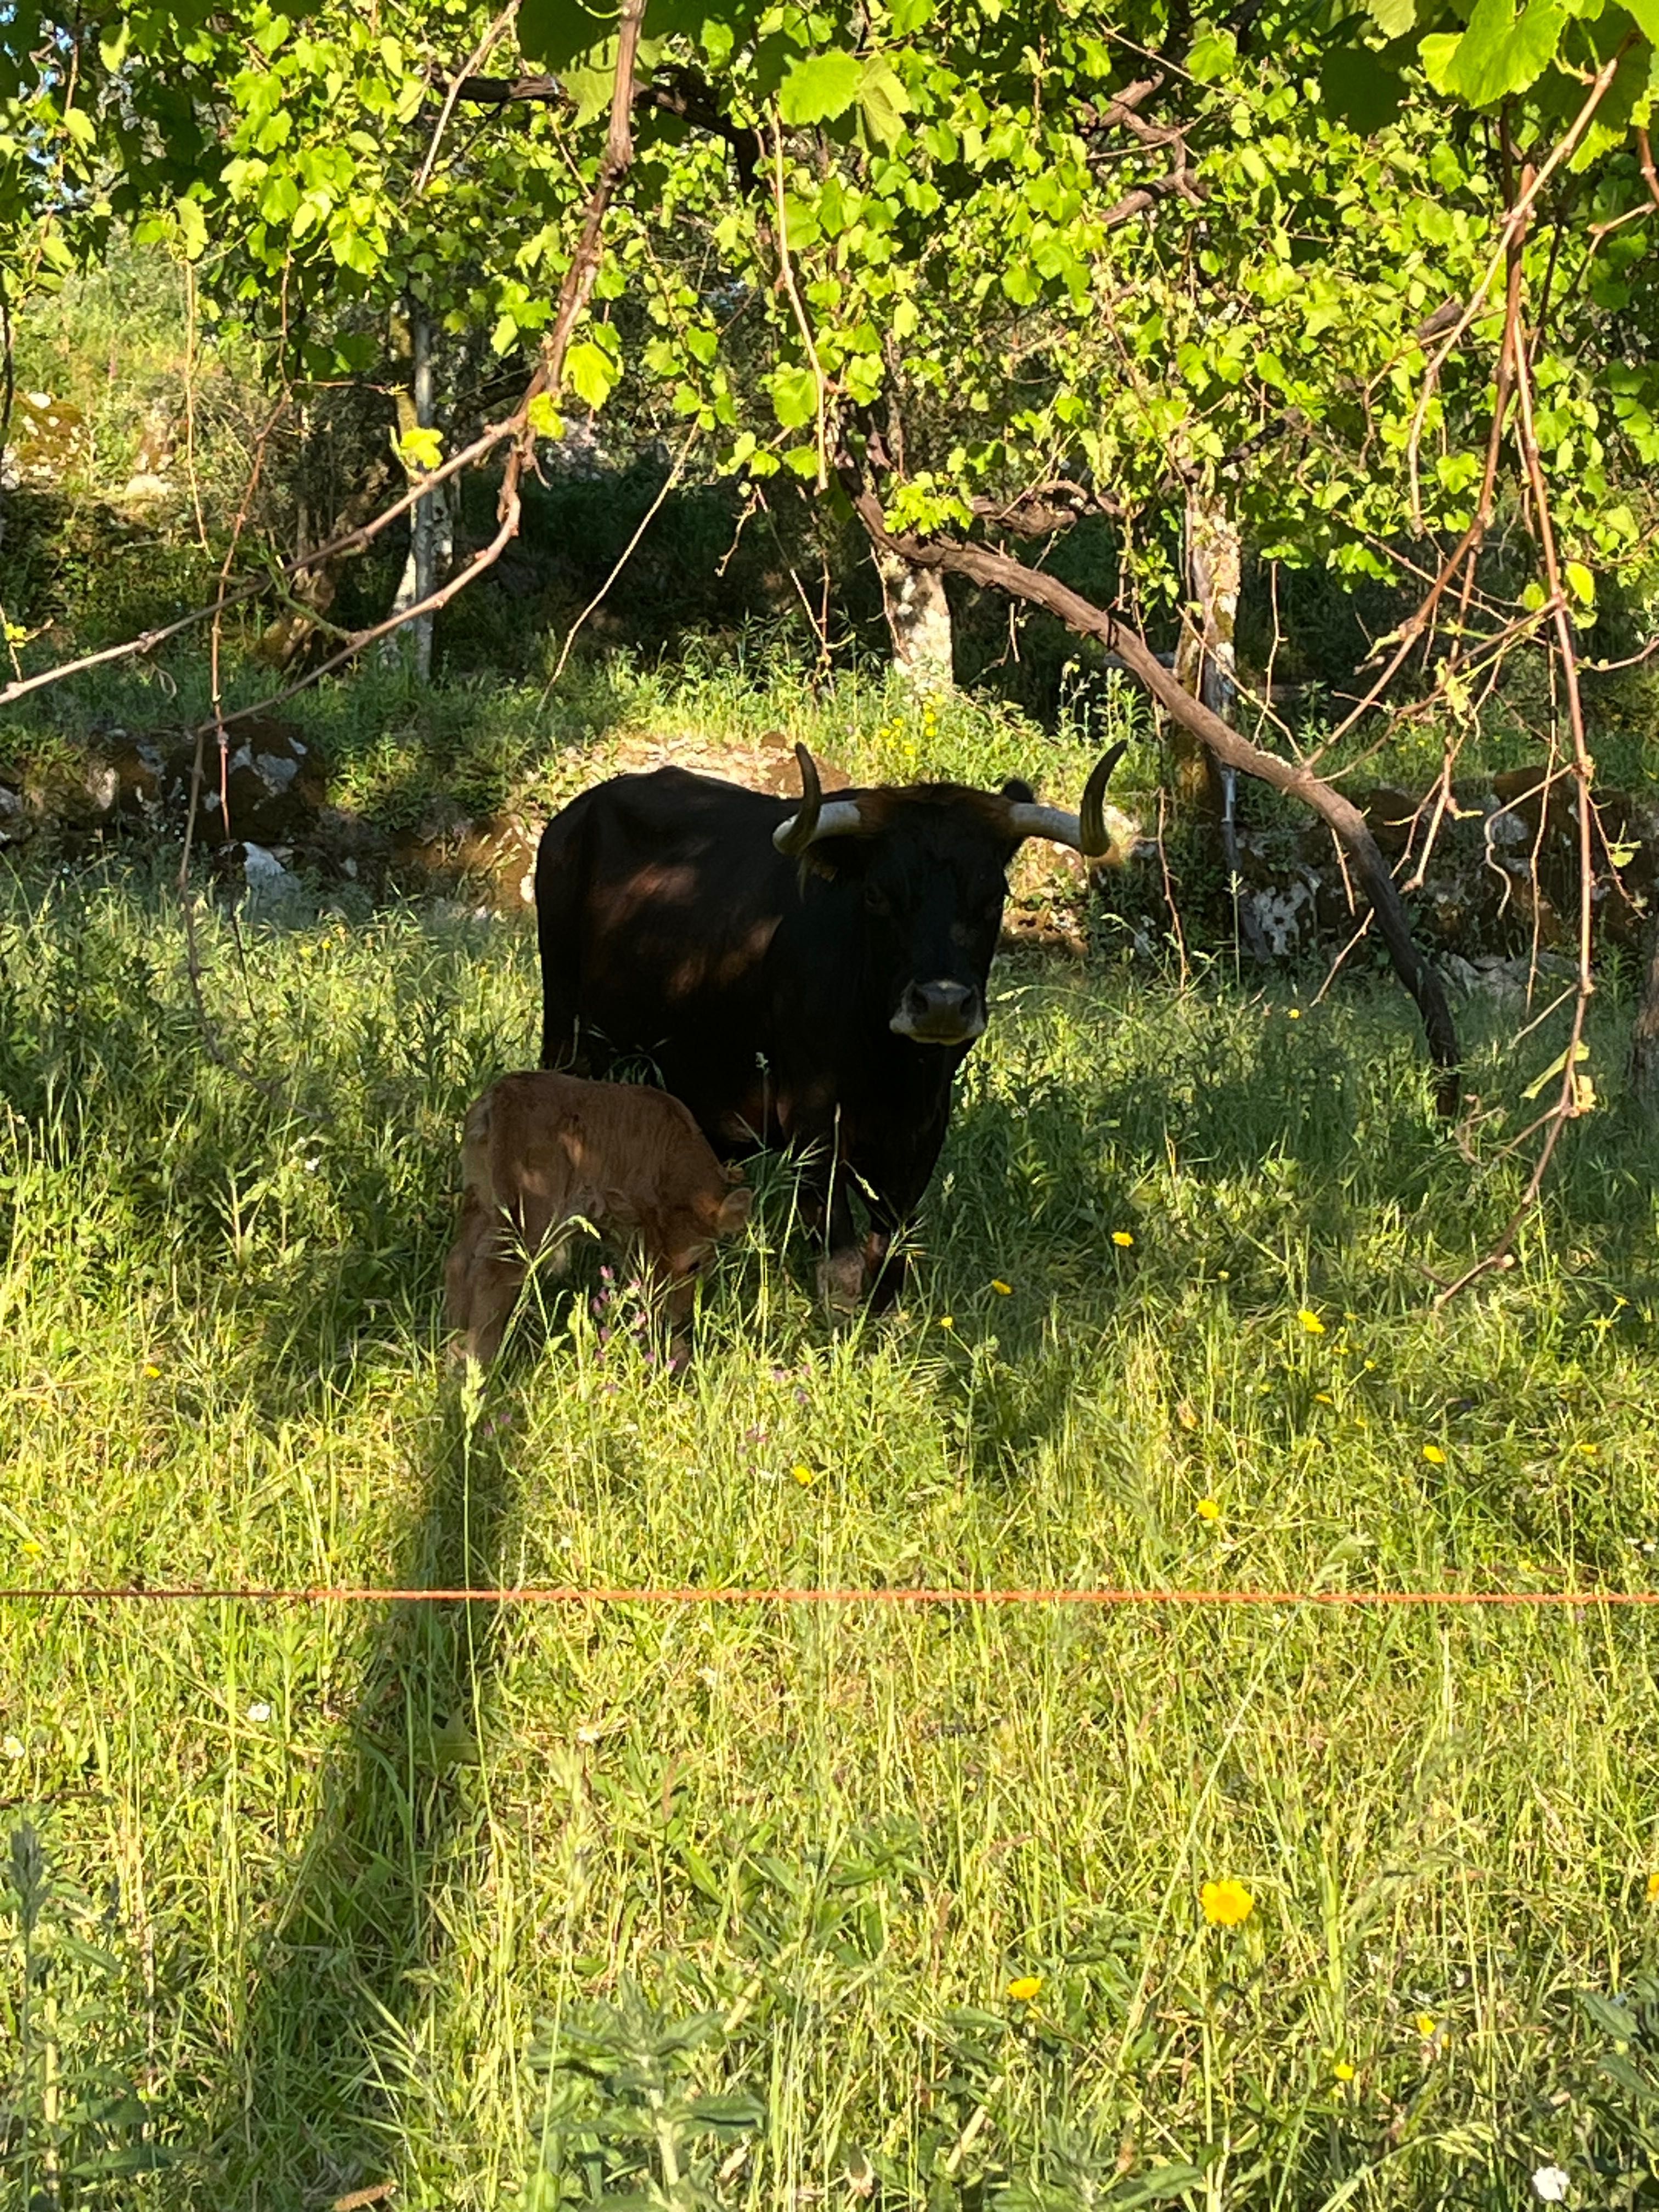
(734, 1211)
(1019, 791)
(836, 858)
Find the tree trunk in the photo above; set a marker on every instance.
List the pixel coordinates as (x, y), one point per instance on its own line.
(428, 523)
(918, 622)
(1205, 665)
(1645, 1038)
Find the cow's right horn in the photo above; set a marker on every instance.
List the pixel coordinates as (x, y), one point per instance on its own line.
(1086, 831)
(813, 820)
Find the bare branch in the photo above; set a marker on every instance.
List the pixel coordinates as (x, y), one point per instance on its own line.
(1570, 1099)
(1650, 177)
(514, 431)
(1045, 508)
(573, 295)
(480, 54)
(1003, 573)
(1515, 221)
(627, 553)
(351, 541)
(675, 91)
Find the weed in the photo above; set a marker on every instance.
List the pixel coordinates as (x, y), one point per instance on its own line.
(74, 2131)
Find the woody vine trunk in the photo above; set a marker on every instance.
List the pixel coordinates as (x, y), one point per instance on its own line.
(1002, 572)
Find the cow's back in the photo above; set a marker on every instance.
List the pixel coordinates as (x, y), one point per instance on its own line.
(657, 900)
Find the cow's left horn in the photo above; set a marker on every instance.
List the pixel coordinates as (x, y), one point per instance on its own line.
(813, 819)
(1086, 832)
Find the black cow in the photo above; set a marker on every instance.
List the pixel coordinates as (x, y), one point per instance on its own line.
(808, 977)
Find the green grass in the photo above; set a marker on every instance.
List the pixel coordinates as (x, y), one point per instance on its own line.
(347, 1895)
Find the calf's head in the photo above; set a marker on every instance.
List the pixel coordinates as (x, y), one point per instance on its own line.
(930, 865)
(679, 1229)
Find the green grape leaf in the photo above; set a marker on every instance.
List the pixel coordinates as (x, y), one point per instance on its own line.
(794, 397)
(590, 372)
(820, 88)
(419, 448)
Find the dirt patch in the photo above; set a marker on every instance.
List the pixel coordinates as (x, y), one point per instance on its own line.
(765, 763)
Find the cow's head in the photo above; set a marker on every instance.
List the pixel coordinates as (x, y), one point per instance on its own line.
(931, 865)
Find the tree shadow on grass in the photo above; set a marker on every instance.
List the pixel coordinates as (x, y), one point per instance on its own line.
(342, 1975)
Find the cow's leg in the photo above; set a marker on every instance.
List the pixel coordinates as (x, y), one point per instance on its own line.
(843, 1281)
(894, 1188)
(458, 1274)
(885, 1269)
(481, 1281)
(824, 1207)
(497, 1278)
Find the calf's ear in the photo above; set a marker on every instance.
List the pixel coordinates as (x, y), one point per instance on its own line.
(734, 1211)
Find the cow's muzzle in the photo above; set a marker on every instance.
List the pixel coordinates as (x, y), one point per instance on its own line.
(940, 1013)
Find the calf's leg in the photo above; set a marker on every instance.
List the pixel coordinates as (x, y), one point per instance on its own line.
(483, 1278)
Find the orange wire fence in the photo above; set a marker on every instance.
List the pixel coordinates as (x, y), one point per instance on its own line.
(730, 1595)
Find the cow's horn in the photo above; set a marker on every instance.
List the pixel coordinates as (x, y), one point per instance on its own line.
(1086, 832)
(813, 819)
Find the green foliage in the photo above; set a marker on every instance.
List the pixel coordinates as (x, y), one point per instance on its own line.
(632, 2110)
(73, 2128)
(996, 276)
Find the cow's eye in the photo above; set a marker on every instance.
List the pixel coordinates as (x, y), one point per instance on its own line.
(876, 901)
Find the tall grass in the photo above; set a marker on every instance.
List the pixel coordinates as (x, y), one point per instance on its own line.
(522, 1908)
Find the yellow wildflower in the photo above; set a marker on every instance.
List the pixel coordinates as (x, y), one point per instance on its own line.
(1434, 1455)
(802, 1475)
(1121, 1236)
(152, 1370)
(30, 1549)
(1226, 1903)
(1003, 1289)
(1425, 2024)
(1653, 1888)
(1310, 1320)
(1025, 1988)
(1294, 1013)
(947, 1320)
(1208, 1510)
(1323, 1398)
(1343, 2071)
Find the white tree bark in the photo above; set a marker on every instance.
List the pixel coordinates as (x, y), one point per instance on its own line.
(1206, 665)
(431, 533)
(1205, 662)
(918, 622)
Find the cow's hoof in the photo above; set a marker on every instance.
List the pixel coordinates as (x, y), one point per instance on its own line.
(841, 1281)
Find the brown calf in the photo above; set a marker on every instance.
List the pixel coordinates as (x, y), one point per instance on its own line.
(539, 1151)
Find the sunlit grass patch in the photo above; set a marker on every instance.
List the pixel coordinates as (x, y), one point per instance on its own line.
(874, 1901)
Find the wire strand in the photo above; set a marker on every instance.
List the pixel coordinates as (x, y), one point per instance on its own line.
(732, 1594)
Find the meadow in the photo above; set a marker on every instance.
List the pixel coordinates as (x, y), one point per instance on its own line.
(751, 1905)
